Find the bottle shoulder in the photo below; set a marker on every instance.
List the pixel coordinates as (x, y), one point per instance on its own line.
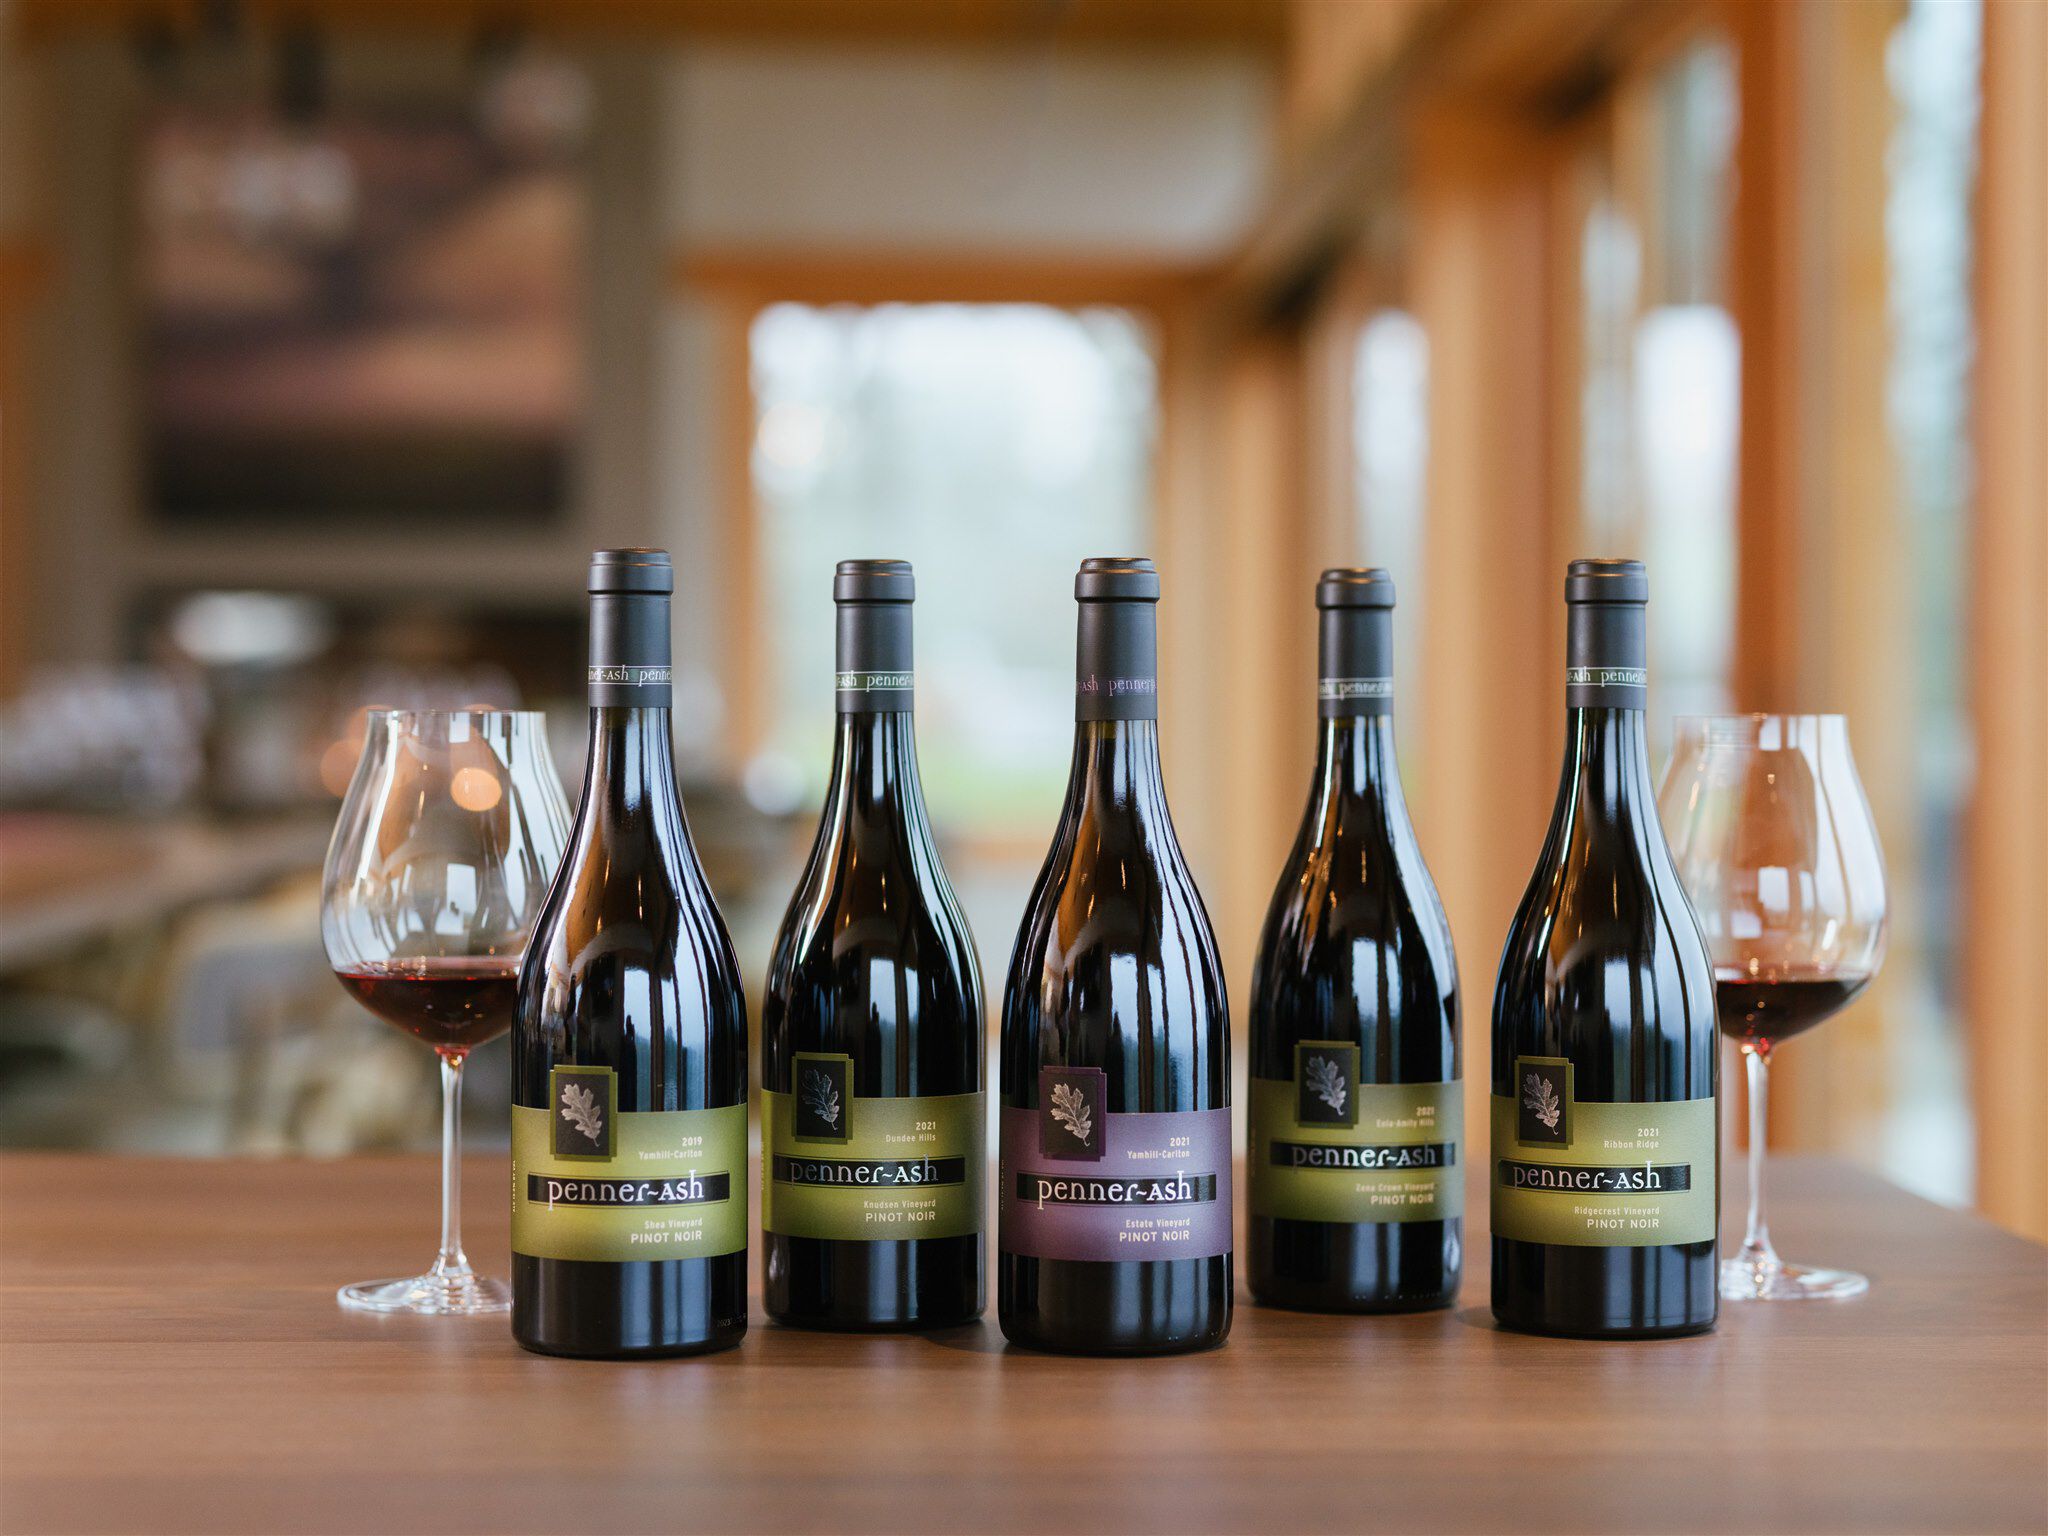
(1115, 945)
(1118, 897)
(879, 902)
(1604, 955)
(632, 899)
(1347, 884)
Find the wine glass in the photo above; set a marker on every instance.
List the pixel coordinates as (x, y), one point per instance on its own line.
(1776, 847)
(451, 831)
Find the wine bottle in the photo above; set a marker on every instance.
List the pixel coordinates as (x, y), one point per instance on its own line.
(1355, 1119)
(629, 1056)
(873, 1118)
(1115, 1229)
(1605, 1156)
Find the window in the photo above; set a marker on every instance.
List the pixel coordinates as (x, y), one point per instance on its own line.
(1390, 458)
(1932, 62)
(994, 446)
(1660, 385)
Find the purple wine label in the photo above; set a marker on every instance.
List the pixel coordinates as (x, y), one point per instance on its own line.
(1150, 1186)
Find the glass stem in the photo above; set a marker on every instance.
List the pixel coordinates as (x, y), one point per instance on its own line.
(1756, 1242)
(451, 1262)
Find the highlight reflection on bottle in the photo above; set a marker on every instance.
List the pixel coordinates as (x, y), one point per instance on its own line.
(1115, 1175)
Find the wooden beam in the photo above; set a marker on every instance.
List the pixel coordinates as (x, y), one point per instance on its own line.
(1506, 58)
(1147, 25)
(2005, 930)
(768, 275)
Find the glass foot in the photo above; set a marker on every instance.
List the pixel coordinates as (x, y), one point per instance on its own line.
(1742, 1280)
(456, 1294)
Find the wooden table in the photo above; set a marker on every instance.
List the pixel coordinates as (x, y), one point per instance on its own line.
(171, 1359)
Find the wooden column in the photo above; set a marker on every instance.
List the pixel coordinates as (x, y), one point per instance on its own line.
(2006, 927)
(1239, 678)
(1492, 722)
(1767, 295)
(23, 269)
(1823, 623)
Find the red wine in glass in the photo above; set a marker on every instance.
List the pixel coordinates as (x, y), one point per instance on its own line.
(454, 1003)
(444, 849)
(1779, 854)
(1760, 1011)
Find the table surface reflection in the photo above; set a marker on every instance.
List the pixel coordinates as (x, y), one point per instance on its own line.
(171, 1359)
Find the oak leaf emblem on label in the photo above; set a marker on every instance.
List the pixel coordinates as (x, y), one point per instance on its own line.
(820, 1097)
(579, 1108)
(1539, 1096)
(1070, 1108)
(1326, 1082)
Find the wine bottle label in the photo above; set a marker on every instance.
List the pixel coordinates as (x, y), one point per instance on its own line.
(1340, 696)
(1079, 1182)
(1587, 1174)
(1326, 1147)
(591, 1181)
(632, 677)
(1605, 687)
(874, 682)
(868, 1169)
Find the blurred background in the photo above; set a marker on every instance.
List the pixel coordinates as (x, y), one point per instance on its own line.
(335, 334)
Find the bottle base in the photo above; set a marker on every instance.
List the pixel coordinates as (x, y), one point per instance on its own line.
(715, 1345)
(1282, 1301)
(1569, 1292)
(839, 1285)
(1609, 1335)
(1116, 1351)
(1363, 1268)
(1120, 1308)
(637, 1310)
(816, 1324)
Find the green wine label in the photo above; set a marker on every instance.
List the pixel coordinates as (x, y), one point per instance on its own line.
(869, 1169)
(1587, 1174)
(1325, 1147)
(591, 1181)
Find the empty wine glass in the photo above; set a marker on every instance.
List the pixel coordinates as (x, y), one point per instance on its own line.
(1776, 847)
(451, 831)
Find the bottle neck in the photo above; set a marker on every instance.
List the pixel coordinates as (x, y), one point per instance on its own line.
(874, 769)
(1355, 663)
(632, 750)
(1115, 772)
(1606, 653)
(873, 659)
(629, 651)
(1607, 761)
(1356, 764)
(632, 757)
(1116, 662)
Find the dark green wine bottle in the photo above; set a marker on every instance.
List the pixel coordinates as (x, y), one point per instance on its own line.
(1605, 1150)
(1355, 1121)
(1115, 1231)
(873, 1118)
(629, 1050)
